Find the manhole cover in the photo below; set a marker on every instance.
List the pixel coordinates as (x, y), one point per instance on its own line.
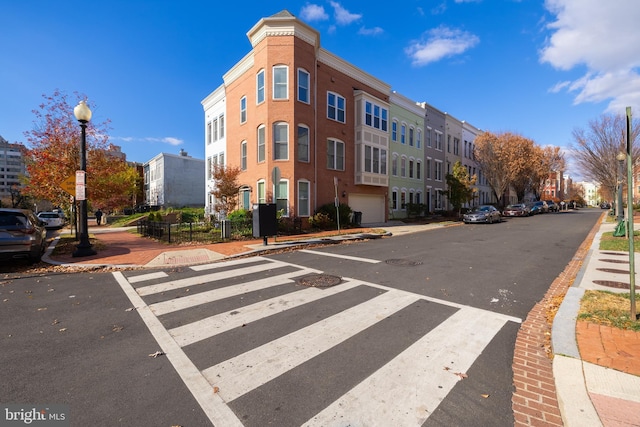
(614, 253)
(613, 270)
(612, 284)
(319, 280)
(403, 262)
(617, 261)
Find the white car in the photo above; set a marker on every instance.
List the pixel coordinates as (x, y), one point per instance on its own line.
(51, 219)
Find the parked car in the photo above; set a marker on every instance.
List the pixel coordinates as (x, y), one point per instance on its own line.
(553, 206)
(605, 205)
(483, 213)
(517, 209)
(539, 207)
(22, 235)
(51, 219)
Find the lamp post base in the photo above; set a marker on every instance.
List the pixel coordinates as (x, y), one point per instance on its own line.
(83, 249)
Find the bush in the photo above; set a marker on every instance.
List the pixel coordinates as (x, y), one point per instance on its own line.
(239, 214)
(329, 210)
(321, 221)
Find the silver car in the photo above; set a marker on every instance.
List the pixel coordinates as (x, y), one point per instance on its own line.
(22, 235)
(51, 219)
(484, 213)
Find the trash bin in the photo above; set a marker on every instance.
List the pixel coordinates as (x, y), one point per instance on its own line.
(357, 217)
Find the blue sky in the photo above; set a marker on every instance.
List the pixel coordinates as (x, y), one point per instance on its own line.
(538, 68)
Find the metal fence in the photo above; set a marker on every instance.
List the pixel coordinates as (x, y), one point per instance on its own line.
(195, 231)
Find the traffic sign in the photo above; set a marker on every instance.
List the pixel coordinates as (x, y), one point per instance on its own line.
(69, 185)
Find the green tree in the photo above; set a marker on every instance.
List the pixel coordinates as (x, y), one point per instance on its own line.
(460, 186)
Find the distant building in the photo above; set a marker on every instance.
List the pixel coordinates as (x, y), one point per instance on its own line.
(12, 166)
(174, 181)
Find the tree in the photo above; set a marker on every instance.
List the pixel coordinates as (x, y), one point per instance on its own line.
(54, 154)
(595, 149)
(492, 155)
(523, 156)
(226, 187)
(460, 186)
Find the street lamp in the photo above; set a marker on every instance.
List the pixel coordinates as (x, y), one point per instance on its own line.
(621, 157)
(83, 115)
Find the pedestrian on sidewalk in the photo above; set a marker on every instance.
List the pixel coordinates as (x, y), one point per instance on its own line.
(98, 216)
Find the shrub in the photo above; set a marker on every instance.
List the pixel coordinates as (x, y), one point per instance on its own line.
(329, 210)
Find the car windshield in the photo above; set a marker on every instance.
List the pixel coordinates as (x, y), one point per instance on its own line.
(48, 215)
(481, 209)
(10, 219)
(514, 206)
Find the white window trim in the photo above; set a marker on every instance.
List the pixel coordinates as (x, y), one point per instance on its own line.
(299, 200)
(273, 83)
(308, 101)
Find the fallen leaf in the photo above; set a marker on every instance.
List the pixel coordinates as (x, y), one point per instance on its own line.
(117, 328)
(485, 395)
(461, 375)
(62, 329)
(42, 308)
(156, 354)
(55, 322)
(215, 390)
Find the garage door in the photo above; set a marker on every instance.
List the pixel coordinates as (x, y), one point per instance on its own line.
(371, 206)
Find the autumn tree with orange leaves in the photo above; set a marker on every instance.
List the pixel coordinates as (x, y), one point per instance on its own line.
(226, 187)
(53, 155)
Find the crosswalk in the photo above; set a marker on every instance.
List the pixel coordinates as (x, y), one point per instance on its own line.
(240, 331)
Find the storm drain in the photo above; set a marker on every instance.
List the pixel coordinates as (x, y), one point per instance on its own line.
(403, 262)
(617, 261)
(613, 270)
(612, 284)
(319, 280)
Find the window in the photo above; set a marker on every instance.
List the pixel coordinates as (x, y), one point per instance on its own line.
(411, 131)
(427, 136)
(375, 160)
(261, 144)
(303, 143)
(222, 126)
(261, 195)
(403, 134)
(208, 133)
(456, 146)
(243, 109)
(282, 197)
(214, 127)
(280, 82)
(448, 143)
(394, 131)
(438, 141)
(303, 198)
(335, 155)
(438, 171)
(243, 155)
(335, 107)
(375, 116)
(410, 168)
(403, 167)
(428, 170)
(419, 138)
(403, 200)
(260, 87)
(394, 200)
(280, 141)
(394, 165)
(245, 199)
(303, 86)
(418, 170)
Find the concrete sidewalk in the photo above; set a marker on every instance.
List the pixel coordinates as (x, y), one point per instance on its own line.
(596, 368)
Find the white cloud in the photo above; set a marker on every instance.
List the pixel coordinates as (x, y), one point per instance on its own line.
(342, 15)
(370, 31)
(313, 12)
(442, 42)
(166, 140)
(602, 37)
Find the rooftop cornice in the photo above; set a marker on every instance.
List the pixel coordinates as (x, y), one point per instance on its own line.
(328, 58)
(275, 26)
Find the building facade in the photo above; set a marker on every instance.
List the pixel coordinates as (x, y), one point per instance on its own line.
(12, 166)
(174, 181)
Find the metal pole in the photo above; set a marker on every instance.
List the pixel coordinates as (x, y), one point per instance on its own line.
(632, 273)
(84, 247)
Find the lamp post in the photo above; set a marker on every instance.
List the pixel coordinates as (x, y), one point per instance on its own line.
(83, 115)
(621, 157)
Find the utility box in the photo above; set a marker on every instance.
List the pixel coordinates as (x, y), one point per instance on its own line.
(265, 221)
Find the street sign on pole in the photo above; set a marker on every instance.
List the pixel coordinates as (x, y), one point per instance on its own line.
(80, 185)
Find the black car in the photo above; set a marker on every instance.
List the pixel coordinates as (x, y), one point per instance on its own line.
(605, 205)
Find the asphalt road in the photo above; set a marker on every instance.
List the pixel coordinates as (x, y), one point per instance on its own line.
(74, 338)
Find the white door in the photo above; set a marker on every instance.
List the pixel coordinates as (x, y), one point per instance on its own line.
(371, 206)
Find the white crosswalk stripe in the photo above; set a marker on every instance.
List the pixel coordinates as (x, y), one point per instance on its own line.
(415, 380)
